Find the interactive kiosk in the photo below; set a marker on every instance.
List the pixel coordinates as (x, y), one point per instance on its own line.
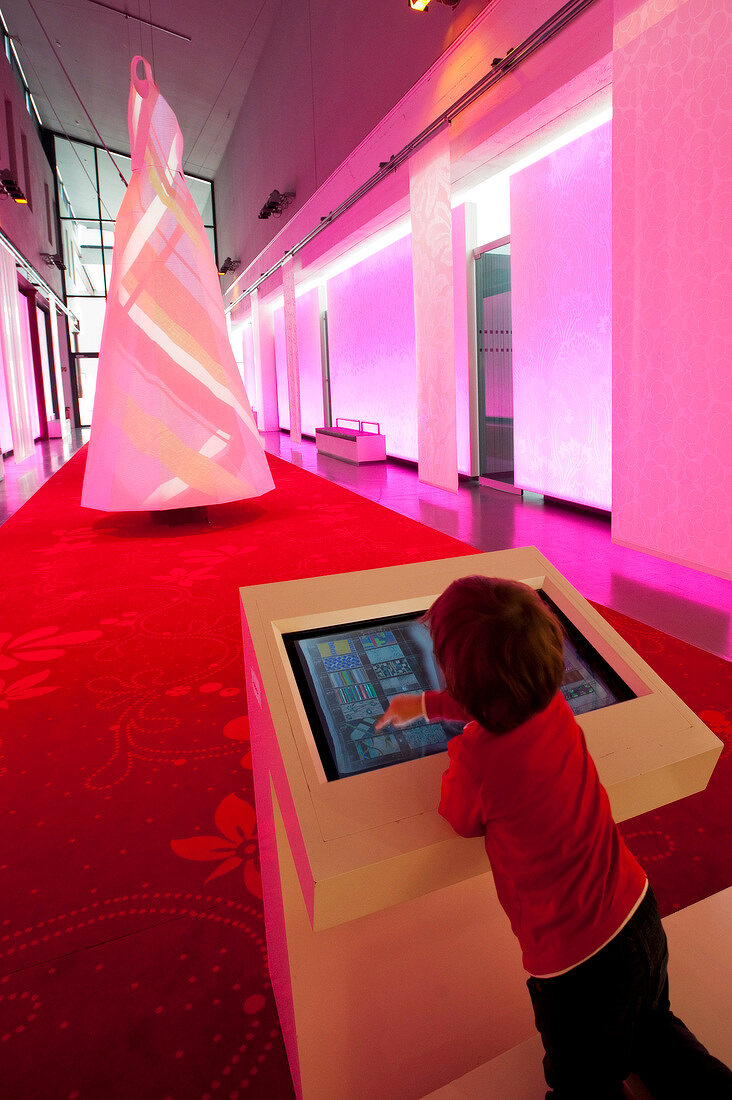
(393, 966)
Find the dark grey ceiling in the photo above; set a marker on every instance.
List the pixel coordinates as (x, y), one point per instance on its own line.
(204, 79)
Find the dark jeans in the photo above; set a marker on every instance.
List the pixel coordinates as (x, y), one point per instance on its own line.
(610, 1017)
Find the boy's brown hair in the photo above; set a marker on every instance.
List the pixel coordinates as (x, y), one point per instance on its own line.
(500, 648)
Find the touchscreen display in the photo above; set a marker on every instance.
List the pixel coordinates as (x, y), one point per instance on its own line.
(348, 674)
(590, 683)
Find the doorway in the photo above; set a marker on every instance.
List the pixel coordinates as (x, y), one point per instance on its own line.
(495, 368)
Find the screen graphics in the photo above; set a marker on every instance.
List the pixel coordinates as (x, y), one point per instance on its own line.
(347, 676)
(590, 683)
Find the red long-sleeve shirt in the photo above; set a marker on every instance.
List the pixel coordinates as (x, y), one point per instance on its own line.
(562, 871)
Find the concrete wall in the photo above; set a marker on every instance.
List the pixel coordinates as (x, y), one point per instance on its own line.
(26, 226)
(560, 81)
(329, 73)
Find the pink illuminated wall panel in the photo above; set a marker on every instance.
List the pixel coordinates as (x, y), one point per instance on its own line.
(6, 437)
(265, 366)
(672, 287)
(291, 349)
(30, 378)
(311, 367)
(309, 361)
(372, 348)
(561, 311)
(463, 238)
(280, 343)
(248, 366)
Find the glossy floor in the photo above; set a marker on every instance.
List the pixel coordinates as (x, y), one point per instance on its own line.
(20, 480)
(681, 601)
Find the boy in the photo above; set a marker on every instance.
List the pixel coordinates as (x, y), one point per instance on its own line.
(579, 903)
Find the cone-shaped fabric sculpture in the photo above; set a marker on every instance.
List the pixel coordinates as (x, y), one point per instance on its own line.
(172, 426)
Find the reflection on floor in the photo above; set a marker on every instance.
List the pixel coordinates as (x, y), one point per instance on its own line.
(689, 605)
(22, 479)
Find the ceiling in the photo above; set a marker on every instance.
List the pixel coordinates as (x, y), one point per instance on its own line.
(204, 79)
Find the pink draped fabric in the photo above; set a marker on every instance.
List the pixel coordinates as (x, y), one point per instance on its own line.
(172, 426)
(434, 325)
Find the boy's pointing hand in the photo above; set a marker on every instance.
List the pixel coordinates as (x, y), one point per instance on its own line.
(402, 710)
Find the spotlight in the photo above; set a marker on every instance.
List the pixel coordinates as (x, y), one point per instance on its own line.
(10, 187)
(54, 259)
(228, 265)
(276, 203)
(422, 5)
(499, 60)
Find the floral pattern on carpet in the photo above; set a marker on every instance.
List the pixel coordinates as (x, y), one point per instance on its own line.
(133, 961)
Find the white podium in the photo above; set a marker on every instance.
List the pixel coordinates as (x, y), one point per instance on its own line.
(393, 966)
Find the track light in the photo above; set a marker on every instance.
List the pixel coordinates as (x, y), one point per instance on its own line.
(276, 203)
(228, 265)
(53, 259)
(422, 5)
(9, 186)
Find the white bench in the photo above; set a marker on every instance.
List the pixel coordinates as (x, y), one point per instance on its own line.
(352, 444)
(700, 977)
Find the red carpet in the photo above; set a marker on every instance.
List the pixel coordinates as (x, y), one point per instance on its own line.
(132, 946)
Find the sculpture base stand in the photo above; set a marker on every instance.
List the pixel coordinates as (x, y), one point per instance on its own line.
(179, 517)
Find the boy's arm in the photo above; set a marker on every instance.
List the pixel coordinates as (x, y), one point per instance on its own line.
(460, 802)
(440, 705)
(430, 705)
(402, 711)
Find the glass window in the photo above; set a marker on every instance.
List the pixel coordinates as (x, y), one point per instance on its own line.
(86, 377)
(90, 312)
(82, 251)
(63, 200)
(201, 192)
(107, 229)
(77, 169)
(111, 187)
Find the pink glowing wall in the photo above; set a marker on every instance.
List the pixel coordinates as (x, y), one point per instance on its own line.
(280, 345)
(311, 367)
(672, 393)
(463, 301)
(309, 360)
(6, 437)
(371, 346)
(30, 378)
(561, 312)
(265, 366)
(291, 350)
(248, 366)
